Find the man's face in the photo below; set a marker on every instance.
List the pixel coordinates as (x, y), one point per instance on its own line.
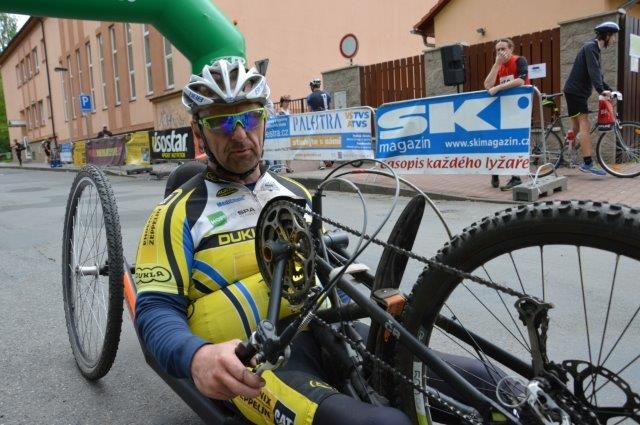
(503, 50)
(238, 149)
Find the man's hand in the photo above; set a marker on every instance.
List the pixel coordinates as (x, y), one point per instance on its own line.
(219, 374)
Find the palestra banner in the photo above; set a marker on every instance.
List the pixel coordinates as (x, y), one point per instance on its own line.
(466, 133)
(340, 134)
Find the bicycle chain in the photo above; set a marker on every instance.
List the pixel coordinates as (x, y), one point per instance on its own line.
(428, 392)
(431, 263)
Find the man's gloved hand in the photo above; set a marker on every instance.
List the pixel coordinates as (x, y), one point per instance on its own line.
(219, 374)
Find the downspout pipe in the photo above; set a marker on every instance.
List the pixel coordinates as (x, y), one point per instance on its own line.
(195, 27)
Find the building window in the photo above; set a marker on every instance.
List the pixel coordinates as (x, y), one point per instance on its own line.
(36, 62)
(114, 62)
(48, 106)
(147, 58)
(92, 85)
(42, 49)
(128, 32)
(27, 64)
(26, 112)
(79, 65)
(38, 113)
(168, 64)
(23, 71)
(18, 75)
(73, 99)
(65, 99)
(103, 83)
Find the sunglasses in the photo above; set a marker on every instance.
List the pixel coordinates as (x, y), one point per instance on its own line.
(226, 124)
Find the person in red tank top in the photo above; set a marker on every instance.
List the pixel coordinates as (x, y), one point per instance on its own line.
(508, 71)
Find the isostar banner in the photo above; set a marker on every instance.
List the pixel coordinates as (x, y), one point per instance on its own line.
(65, 152)
(80, 153)
(340, 134)
(138, 149)
(467, 133)
(106, 151)
(175, 144)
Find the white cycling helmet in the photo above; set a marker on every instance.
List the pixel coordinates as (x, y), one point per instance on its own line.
(607, 28)
(315, 82)
(224, 82)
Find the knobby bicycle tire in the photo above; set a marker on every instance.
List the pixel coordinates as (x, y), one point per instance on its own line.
(618, 152)
(602, 239)
(554, 148)
(92, 268)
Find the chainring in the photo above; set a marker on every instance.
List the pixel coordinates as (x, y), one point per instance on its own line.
(281, 221)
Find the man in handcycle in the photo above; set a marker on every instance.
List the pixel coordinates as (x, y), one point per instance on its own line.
(200, 290)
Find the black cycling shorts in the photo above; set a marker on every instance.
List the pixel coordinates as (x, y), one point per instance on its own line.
(576, 104)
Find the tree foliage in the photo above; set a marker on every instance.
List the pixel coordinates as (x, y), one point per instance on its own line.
(8, 29)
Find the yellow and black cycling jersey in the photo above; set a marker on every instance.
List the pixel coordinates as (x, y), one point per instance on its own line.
(199, 243)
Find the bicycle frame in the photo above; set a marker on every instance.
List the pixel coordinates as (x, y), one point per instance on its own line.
(368, 308)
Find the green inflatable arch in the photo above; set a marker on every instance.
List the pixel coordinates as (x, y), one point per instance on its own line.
(195, 27)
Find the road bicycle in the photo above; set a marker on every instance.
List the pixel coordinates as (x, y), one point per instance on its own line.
(617, 149)
(541, 296)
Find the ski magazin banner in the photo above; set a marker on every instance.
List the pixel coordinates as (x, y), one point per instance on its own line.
(467, 133)
(340, 134)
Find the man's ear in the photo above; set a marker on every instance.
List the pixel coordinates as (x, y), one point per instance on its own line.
(197, 135)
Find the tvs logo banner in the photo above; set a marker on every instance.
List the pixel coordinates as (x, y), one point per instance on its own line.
(340, 134)
(467, 133)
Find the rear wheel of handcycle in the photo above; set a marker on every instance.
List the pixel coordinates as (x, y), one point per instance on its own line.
(92, 269)
(619, 150)
(581, 256)
(554, 148)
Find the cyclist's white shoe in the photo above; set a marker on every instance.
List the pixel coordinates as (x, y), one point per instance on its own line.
(592, 169)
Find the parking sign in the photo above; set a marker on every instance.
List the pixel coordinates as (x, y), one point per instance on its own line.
(85, 103)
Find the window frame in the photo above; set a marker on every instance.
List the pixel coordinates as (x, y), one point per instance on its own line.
(146, 46)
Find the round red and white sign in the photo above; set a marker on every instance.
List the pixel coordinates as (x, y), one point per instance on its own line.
(349, 46)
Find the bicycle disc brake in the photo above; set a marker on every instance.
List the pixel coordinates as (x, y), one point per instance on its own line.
(585, 379)
(281, 222)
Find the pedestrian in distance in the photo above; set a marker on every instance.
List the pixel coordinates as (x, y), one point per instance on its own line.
(18, 147)
(46, 147)
(508, 71)
(319, 100)
(285, 102)
(104, 133)
(586, 75)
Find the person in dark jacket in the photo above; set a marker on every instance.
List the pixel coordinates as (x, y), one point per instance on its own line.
(586, 75)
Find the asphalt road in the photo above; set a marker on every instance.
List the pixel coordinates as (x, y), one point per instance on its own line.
(39, 382)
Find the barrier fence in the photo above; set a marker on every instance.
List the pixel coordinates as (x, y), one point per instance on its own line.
(466, 133)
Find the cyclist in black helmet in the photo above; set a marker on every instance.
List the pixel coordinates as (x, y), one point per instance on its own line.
(586, 75)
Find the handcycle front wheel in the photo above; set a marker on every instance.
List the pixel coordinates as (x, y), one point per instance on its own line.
(618, 151)
(92, 270)
(584, 258)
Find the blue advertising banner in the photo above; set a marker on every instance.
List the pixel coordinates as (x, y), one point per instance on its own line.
(466, 133)
(65, 152)
(340, 134)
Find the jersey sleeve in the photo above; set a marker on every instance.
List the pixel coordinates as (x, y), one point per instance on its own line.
(165, 249)
(522, 68)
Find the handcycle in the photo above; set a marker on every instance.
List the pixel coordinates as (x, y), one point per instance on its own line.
(617, 149)
(487, 295)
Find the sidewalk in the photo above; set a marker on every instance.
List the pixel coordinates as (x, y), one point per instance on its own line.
(452, 187)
